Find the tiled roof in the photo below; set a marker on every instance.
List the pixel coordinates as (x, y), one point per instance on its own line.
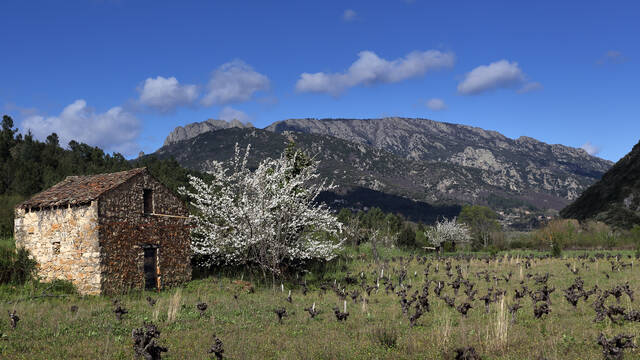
(76, 190)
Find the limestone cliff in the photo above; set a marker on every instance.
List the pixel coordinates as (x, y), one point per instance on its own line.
(192, 130)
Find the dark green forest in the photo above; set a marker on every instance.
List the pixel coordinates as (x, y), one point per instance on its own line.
(28, 166)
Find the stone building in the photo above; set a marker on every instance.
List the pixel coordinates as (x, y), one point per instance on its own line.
(107, 233)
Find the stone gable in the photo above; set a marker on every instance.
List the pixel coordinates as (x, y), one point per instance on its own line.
(125, 230)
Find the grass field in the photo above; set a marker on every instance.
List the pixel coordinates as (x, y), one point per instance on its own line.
(375, 329)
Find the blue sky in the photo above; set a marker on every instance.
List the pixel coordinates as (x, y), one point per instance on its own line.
(122, 74)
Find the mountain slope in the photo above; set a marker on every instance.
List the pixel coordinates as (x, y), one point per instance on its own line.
(366, 176)
(521, 165)
(615, 199)
(346, 163)
(358, 168)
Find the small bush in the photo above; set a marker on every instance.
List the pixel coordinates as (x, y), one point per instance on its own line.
(519, 244)
(407, 238)
(556, 249)
(385, 336)
(60, 286)
(16, 267)
(449, 246)
(493, 251)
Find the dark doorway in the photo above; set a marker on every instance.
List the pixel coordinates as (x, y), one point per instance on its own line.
(150, 268)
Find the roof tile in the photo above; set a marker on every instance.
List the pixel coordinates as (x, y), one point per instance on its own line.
(76, 190)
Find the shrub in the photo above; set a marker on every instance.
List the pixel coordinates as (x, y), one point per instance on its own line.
(517, 244)
(493, 251)
(407, 238)
(16, 267)
(556, 249)
(449, 246)
(60, 286)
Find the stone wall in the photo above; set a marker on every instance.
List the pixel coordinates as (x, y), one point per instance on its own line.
(64, 242)
(125, 230)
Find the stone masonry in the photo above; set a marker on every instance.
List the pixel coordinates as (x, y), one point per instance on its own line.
(93, 231)
(125, 229)
(64, 242)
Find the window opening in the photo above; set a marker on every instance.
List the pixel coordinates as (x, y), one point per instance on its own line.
(148, 201)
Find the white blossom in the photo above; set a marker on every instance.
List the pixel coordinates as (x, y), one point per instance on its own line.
(448, 231)
(268, 217)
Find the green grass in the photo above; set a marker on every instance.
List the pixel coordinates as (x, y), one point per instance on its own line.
(249, 329)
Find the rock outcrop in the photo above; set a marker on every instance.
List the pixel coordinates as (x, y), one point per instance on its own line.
(194, 129)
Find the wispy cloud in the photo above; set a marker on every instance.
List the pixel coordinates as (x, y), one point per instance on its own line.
(370, 69)
(349, 15)
(23, 111)
(113, 130)
(612, 57)
(166, 94)
(529, 87)
(436, 104)
(497, 75)
(228, 113)
(590, 148)
(234, 82)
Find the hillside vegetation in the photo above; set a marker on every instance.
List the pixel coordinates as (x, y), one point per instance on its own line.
(614, 199)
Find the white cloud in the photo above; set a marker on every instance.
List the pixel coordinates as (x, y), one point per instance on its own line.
(232, 82)
(612, 57)
(370, 69)
(499, 74)
(113, 130)
(166, 94)
(228, 113)
(436, 104)
(349, 15)
(590, 148)
(529, 87)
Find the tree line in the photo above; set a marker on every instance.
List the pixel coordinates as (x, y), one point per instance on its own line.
(476, 227)
(28, 166)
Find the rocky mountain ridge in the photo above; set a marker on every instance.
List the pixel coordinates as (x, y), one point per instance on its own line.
(516, 164)
(364, 172)
(192, 130)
